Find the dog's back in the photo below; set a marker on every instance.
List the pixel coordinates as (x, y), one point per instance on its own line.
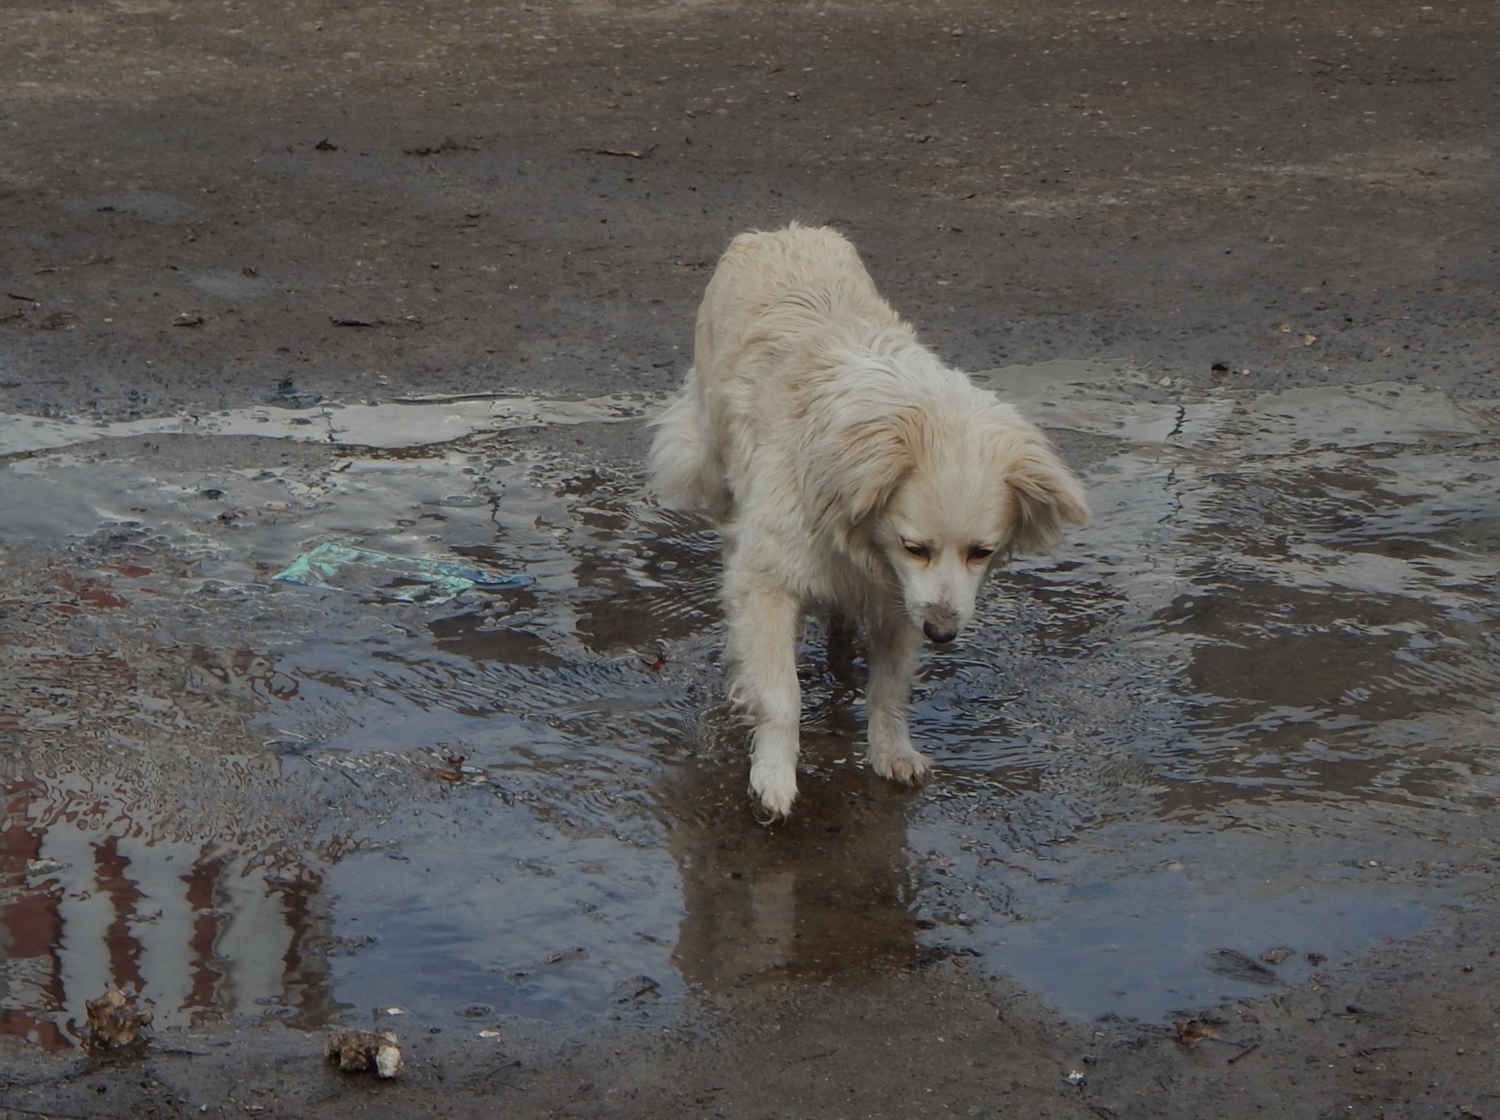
(784, 283)
(780, 303)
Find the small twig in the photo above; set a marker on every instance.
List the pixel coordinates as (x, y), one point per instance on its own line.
(1243, 1053)
(629, 153)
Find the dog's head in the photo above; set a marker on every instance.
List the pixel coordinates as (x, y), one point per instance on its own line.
(940, 495)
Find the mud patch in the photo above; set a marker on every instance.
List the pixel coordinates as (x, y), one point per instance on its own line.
(1250, 709)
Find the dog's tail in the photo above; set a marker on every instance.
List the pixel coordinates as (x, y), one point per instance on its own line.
(685, 470)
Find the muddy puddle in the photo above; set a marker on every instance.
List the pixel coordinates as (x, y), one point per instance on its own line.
(1241, 729)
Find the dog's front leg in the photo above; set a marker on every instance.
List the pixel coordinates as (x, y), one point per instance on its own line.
(763, 620)
(894, 648)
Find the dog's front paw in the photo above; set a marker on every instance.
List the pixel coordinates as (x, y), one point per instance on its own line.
(905, 765)
(775, 785)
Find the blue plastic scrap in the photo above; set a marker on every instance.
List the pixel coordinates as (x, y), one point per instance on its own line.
(407, 579)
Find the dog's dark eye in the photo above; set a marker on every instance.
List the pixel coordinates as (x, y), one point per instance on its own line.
(979, 552)
(921, 551)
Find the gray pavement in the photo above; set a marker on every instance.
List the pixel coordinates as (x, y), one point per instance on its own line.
(1213, 827)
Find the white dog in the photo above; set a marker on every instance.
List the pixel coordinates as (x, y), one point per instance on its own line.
(848, 469)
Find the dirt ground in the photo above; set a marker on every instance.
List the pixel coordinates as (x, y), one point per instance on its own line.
(202, 205)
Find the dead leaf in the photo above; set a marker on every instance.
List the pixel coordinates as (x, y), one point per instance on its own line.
(1309, 339)
(1189, 1031)
(115, 1020)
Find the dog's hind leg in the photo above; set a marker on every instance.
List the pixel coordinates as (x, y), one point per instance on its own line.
(763, 620)
(894, 647)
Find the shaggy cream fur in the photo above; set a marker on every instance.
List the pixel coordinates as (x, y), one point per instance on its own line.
(850, 470)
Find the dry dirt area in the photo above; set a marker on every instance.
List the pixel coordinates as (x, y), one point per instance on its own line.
(228, 210)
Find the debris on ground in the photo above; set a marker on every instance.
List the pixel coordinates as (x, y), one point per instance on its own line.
(355, 1051)
(1278, 954)
(406, 579)
(1245, 1053)
(1189, 1031)
(627, 153)
(116, 1020)
(288, 395)
(1238, 966)
(635, 989)
(449, 145)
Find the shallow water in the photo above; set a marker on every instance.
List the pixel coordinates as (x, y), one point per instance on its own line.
(1251, 708)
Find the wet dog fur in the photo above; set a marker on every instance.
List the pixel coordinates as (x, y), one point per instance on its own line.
(848, 470)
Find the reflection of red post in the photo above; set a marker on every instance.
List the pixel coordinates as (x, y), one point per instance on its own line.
(124, 894)
(198, 928)
(208, 921)
(30, 928)
(308, 984)
(306, 987)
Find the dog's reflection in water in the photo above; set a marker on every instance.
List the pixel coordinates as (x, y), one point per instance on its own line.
(823, 893)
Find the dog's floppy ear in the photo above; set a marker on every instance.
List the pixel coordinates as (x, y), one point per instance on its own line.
(1045, 495)
(870, 459)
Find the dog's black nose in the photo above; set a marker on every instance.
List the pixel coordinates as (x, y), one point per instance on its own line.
(936, 635)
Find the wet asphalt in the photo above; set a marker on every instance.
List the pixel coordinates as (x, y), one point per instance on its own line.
(1215, 804)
